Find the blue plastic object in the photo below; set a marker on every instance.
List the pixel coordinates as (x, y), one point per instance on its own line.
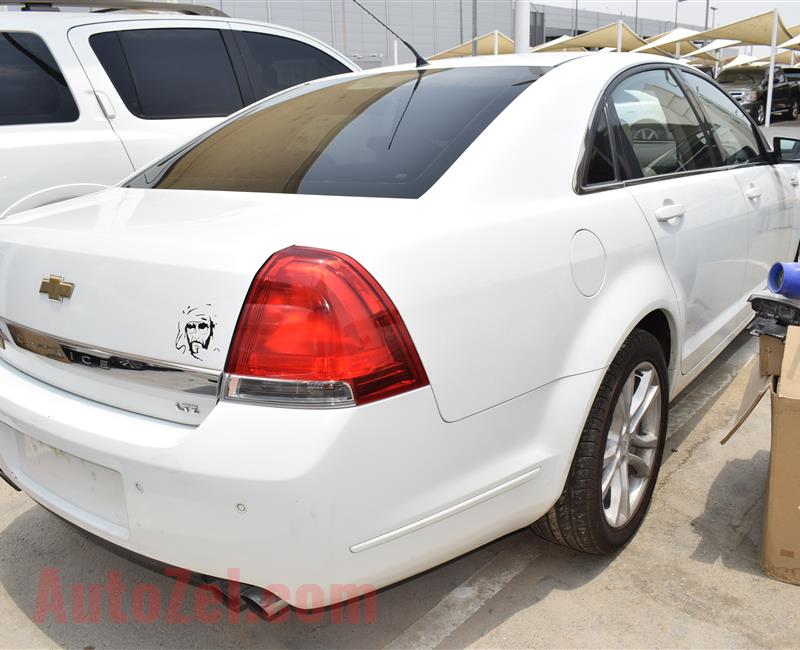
(785, 279)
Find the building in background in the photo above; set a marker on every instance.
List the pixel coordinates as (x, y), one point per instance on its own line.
(430, 25)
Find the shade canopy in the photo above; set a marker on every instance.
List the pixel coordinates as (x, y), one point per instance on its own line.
(560, 39)
(676, 40)
(781, 58)
(600, 38)
(791, 44)
(486, 45)
(756, 30)
(718, 44)
(742, 59)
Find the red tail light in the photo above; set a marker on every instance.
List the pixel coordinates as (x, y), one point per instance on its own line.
(317, 329)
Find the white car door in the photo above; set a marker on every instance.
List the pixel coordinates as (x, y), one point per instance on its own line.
(160, 82)
(770, 191)
(52, 132)
(695, 209)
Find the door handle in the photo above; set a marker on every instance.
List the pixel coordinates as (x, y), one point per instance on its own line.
(669, 212)
(105, 104)
(793, 181)
(753, 192)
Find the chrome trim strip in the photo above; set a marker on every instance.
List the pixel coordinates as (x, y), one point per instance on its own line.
(447, 512)
(131, 368)
(285, 393)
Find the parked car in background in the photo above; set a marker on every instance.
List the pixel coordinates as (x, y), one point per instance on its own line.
(378, 320)
(86, 98)
(748, 86)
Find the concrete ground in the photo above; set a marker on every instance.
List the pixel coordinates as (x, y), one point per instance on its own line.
(690, 578)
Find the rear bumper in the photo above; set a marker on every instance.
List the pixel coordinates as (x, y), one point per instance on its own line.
(288, 497)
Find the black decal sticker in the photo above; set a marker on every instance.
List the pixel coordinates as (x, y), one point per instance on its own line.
(196, 331)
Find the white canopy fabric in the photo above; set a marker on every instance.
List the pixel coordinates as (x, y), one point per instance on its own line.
(756, 30)
(555, 41)
(718, 44)
(742, 59)
(782, 58)
(791, 44)
(599, 38)
(486, 45)
(677, 38)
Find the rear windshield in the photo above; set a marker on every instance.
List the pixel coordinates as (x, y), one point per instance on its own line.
(387, 135)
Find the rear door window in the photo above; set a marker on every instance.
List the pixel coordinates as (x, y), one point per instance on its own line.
(170, 73)
(275, 63)
(660, 129)
(32, 88)
(734, 133)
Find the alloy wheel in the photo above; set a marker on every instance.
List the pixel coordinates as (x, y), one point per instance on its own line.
(630, 452)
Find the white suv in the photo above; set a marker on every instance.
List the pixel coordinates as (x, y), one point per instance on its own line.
(88, 97)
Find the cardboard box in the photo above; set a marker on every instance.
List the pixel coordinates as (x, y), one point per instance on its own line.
(778, 372)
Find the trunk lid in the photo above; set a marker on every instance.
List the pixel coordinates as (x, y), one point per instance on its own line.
(159, 280)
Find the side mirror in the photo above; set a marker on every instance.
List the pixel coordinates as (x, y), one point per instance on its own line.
(786, 149)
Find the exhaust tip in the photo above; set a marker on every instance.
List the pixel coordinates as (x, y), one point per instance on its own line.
(236, 596)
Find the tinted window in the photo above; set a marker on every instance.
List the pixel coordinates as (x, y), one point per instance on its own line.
(275, 63)
(600, 168)
(32, 88)
(659, 127)
(170, 73)
(792, 75)
(732, 130)
(391, 134)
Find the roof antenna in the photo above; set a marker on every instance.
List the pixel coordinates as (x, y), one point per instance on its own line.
(420, 59)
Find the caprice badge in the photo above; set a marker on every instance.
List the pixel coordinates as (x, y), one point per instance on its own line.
(56, 289)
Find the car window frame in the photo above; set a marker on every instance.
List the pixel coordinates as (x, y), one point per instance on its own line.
(591, 138)
(60, 68)
(604, 103)
(764, 152)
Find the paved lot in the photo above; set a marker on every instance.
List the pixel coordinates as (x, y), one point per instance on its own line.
(691, 577)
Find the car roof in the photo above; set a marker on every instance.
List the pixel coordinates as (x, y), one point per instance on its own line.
(68, 18)
(600, 62)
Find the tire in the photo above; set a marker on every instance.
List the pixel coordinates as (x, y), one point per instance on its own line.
(761, 114)
(794, 109)
(580, 519)
(649, 131)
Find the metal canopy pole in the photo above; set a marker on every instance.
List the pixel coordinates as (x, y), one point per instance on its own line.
(474, 27)
(772, 53)
(522, 26)
(619, 35)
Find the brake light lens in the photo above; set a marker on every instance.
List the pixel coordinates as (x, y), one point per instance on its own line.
(317, 330)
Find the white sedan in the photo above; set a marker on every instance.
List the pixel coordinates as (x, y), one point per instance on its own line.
(376, 321)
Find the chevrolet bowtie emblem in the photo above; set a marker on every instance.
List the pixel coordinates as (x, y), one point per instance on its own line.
(56, 289)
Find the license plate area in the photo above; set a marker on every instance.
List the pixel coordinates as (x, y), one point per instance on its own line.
(82, 489)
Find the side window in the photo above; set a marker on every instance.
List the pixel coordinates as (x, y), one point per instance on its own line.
(274, 63)
(170, 73)
(732, 130)
(600, 164)
(660, 129)
(32, 88)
